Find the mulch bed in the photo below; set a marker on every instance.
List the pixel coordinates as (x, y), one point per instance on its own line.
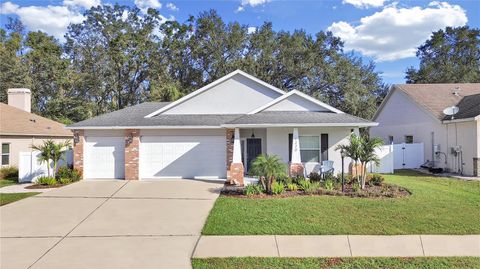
(384, 191)
(39, 186)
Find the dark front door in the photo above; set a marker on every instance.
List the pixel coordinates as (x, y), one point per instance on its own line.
(254, 148)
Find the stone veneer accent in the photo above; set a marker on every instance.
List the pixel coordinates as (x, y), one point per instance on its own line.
(132, 154)
(78, 150)
(229, 133)
(236, 173)
(296, 169)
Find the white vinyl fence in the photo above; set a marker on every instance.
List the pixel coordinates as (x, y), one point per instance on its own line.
(29, 168)
(398, 156)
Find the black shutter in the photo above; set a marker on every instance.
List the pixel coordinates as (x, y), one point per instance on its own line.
(290, 141)
(324, 146)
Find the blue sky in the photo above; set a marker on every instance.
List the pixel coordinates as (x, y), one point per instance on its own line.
(383, 31)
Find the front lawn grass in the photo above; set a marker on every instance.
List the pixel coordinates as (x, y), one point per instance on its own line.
(7, 182)
(6, 198)
(338, 263)
(436, 206)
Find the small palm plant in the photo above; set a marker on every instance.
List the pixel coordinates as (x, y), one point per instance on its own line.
(352, 150)
(51, 152)
(367, 154)
(268, 168)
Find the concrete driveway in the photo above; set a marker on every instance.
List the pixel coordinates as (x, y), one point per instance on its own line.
(107, 224)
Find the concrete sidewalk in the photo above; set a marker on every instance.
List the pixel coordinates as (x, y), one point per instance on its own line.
(338, 246)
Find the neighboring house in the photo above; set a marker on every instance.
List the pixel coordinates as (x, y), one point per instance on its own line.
(19, 128)
(213, 132)
(413, 113)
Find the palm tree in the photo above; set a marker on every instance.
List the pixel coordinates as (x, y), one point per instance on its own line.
(367, 154)
(268, 168)
(352, 150)
(51, 151)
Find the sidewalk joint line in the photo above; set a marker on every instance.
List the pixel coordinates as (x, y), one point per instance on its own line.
(276, 243)
(61, 239)
(349, 246)
(421, 243)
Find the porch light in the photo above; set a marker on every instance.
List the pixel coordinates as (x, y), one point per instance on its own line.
(129, 139)
(76, 137)
(253, 134)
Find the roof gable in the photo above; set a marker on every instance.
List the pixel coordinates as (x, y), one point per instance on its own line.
(296, 101)
(235, 93)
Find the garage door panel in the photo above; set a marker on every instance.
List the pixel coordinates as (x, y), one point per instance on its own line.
(183, 156)
(104, 157)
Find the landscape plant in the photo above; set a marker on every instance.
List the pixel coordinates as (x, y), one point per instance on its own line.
(46, 180)
(277, 188)
(352, 150)
(51, 152)
(268, 168)
(9, 173)
(252, 189)
(367, 154)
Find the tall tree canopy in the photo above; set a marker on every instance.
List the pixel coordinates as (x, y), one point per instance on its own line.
(120, 57)
(449, 56)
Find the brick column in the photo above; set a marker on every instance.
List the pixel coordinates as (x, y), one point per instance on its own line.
(296, 166)
(296, 169)
(235, 170)
(132, 143)
(78, 141)
(229, 136)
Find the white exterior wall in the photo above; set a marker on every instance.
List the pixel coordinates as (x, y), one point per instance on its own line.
(277, 142)
(295, 103)
(238, 95)
(401, 116)
(24, 143)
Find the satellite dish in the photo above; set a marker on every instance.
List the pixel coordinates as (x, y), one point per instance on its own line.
(450, 111)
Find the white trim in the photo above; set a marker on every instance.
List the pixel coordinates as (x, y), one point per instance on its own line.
(300, 94)
(207, 87)
(144, 127)
(302, 125)
(461, 120)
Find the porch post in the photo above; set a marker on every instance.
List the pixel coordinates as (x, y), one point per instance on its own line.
(236, 168)
(296, 166)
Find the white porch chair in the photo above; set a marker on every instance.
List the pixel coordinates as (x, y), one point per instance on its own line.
(327, 167)
(311, 167)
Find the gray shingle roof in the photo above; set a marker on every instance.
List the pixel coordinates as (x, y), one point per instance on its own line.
(135, 116)
(468, 107)
(298, 117)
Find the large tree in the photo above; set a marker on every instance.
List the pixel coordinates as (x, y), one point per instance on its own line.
(449, 56)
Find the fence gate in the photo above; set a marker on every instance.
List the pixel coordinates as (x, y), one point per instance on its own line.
(29, 168)
(408, 156)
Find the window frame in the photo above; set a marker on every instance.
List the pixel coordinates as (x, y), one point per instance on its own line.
(5, 154)
(406, 141)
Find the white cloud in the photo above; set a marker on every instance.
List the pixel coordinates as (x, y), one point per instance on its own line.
(8, 8)
(53, 20)
(364, 3)
(172, 7)
(82, 3)
(251, 29)
(395, 33)
(144, 5)
(252, 3)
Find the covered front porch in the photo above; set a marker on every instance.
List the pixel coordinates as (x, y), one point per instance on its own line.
(302, 148)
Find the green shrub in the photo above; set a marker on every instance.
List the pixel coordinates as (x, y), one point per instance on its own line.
(304, 184)
(376, 180)
(64, 180)
(252, 189)
(329, 184)
(277, 188)
(297, 179)
(68, 173)
(46, 181)
(314, 176)
(356, 186)
(292, 187)
(9, 172)
(313, 187)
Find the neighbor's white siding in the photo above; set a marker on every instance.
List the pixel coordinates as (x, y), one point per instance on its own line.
(277, 142)
(237, 95)
(465, 135)
(296, 103)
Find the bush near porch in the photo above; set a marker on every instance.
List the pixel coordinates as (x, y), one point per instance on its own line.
(436, 206)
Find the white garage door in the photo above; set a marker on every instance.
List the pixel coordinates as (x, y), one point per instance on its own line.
(104, 157)
(182, 157)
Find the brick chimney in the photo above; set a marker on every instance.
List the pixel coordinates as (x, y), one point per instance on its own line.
(20, 98)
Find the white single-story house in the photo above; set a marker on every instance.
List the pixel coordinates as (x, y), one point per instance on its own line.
(414, 113)
(213, 132)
